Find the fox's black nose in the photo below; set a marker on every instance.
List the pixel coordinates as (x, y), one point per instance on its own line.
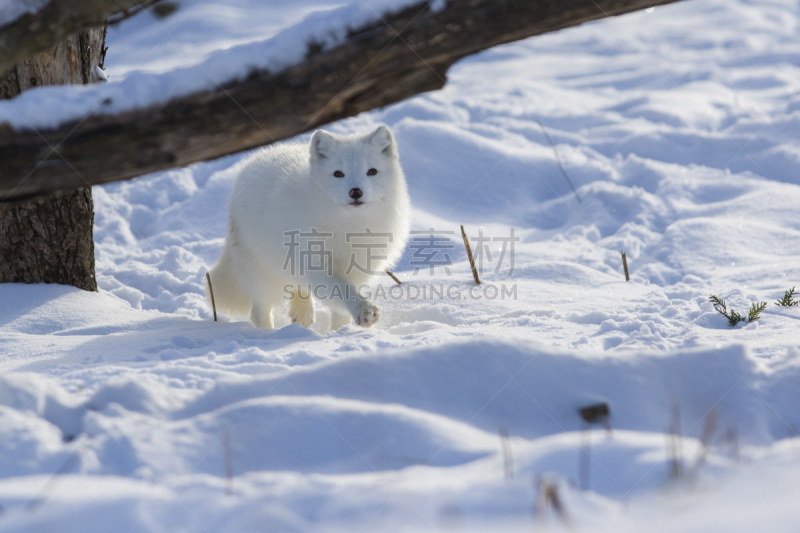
(356, 193)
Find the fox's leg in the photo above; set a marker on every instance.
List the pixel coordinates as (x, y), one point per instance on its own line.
(261, 316)
(301, 308)
(267, 297)
(336, 289)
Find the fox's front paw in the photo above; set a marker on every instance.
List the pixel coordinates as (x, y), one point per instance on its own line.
(302, 311)
(366, 314)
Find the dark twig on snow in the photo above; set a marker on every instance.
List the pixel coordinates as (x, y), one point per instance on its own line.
(549, 497)
(560, 164)
(469, 254)
(675, 441)
(732, 440)
(211, 293)
(598, 413)
(585, 461)
(508, 459)
(709, 426)
(625, 266)
(50, 486)
(228, 458)
(394, 277)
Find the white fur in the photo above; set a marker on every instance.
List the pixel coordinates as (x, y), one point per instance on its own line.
(291, 186)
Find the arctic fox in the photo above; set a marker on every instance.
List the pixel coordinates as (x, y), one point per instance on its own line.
(313, 220)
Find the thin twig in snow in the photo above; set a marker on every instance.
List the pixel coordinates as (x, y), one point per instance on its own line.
(211, 292)
(675, 441)
(732, 439)
(469, 254)
(508, 459)
(625, 266)
(394, 277)
(585, 460)
(548, 496)
(709, 426)
(226, 455)
(49, 487)
(560, 164)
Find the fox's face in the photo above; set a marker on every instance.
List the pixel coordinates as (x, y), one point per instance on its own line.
(357, 171)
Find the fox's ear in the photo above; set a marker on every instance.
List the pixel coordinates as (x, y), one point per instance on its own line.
(383, 140)
(322, 144)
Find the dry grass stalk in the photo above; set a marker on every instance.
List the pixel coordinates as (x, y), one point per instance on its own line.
(560, 164)
(469, 254)
(585, 460)
(211, 292)
(508, 459)
(625, 266)
(394, 278)
(549, 497)
(228, 458)
(676, 443)
(732, 439)
(71, 461)
(597, 413)
(709, 426)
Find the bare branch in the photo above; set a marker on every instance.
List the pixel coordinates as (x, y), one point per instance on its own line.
(405, 54)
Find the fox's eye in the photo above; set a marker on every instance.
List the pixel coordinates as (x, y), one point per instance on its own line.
(338, 174)
(371, 172)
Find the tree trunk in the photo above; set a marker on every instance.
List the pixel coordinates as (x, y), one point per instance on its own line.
(50, 239)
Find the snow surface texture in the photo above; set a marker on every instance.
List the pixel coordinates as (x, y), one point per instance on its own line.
(154, 44)
(680, 128)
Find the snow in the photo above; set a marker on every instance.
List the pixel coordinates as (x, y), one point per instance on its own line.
(679, 129)
(153, 44)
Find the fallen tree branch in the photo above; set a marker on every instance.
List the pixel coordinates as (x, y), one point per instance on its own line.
(405, 54)
(34, 32)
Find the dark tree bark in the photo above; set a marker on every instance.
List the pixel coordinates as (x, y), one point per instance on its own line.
(50, 239)
(57, 20)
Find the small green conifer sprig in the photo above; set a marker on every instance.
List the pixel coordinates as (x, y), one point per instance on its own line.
(717, 301)
(719, 305)
(787, 300)
(755, 311)
(734, 317)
